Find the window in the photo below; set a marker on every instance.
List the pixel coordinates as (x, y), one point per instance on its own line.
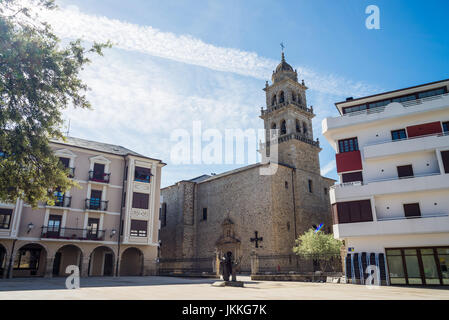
(5, 218)
(298, 126)
(378, 104)
(310, 186)
(398, 134)
(204, 214)
(27, 259)
(352, 211)
(142, 174)
(54, 223)
(283, 127)
(98, 171)
(430, 93)
(446, 127)
(412, 210)
(404, 98)
(445, 159)
(140, 200)
(286, 185)
(348, 145)
(139, 228)
(352, 177)
(93, 226)
(95, 200)
(65, 162)
(405, 171)
(304, 128)
(281, 97)
(164, 215)
(325, 191)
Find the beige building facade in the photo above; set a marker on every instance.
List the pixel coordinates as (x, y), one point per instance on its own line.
(243, 211)
(108, 226)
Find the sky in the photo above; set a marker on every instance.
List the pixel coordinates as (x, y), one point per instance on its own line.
(175, 62)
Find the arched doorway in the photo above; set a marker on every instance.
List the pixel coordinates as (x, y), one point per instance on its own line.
(131, 262)
(30, 261)
(66, 255)
(2, 260)
(101, 262)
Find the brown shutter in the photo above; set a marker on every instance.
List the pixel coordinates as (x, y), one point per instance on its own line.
(445, 158)
(405, 171)
(353, 176)
(354, 209)
(335, 214)
(343, 212)
(412, 210)
(140, 200)
(365, 210)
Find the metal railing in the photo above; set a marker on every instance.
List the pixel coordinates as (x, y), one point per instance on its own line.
(361, 183)
(299, 264)
(96, 204)
(412, 217)
(441, 134)
(284, 104)
(99, 176)
(49, 232)
(63, 201)
(297, 136)
(405, 104)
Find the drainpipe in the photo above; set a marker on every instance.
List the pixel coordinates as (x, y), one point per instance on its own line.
(10, 259)
(294, 210)
(119, 231)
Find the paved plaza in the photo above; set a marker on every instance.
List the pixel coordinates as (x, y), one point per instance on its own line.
(171, 288)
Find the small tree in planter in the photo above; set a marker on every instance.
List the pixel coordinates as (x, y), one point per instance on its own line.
(318, 245)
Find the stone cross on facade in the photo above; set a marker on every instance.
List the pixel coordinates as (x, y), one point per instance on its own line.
(256, 239)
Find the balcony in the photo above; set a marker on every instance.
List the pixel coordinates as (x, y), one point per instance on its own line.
(281, 105)
(348, 161)
(395, 147)
(394, 226)
(99, 176)
(358, 190)
(96, 204)
(72, 233)
(392, 110)
(63, 201)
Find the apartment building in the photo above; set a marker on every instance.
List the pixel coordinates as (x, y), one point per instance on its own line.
(391, 206)
(108, 226)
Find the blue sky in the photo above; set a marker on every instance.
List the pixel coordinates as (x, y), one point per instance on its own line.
(175, 62)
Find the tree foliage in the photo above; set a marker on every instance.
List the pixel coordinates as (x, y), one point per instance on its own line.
(38, 80)
(317, 244)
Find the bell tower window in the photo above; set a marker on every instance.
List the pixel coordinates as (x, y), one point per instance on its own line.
(298, 126)
(283, 127)
(273, 101)
(293, 96)
(281, 97)
(304, 127)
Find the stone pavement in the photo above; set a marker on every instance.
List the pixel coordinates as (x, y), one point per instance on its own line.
(171, 288)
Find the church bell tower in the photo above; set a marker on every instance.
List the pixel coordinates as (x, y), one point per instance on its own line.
(287, 111)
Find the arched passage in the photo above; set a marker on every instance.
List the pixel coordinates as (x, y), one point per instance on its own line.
(131, 262)
(29, 261)
(66, 255)
(2, 260)
(101, 262)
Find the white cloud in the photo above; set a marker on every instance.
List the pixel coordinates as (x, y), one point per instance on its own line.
(186, 49)
(328, 168)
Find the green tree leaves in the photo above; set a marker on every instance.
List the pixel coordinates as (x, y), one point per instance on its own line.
(38, 79)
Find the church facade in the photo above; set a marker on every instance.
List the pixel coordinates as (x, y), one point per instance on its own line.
(242, 211)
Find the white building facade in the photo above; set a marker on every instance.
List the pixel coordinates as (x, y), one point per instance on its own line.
(391, 206)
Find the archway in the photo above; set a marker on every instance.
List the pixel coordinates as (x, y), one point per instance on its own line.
(2, 260)
(30, 261)
(131, 262)
(66, 255)
(101, 262)
(283, 127)
(273, 100)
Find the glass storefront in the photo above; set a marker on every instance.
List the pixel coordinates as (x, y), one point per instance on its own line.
(418, 266)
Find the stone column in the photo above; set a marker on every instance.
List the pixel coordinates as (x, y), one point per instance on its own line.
(85, 272)
(254, 263)
(217, 264)
(49, 267)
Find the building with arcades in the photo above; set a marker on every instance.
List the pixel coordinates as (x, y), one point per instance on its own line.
(108, 226)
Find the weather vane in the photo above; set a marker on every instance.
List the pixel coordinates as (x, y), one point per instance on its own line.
(282, 46)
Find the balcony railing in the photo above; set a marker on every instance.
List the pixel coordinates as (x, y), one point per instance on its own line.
(413, 217)
(63, 201)
(406, 104)
(72, 233)
(284, 104)
(446, 133)
(99, 176)
(96, 204)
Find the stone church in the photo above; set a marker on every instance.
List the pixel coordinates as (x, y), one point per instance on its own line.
(243, 211)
